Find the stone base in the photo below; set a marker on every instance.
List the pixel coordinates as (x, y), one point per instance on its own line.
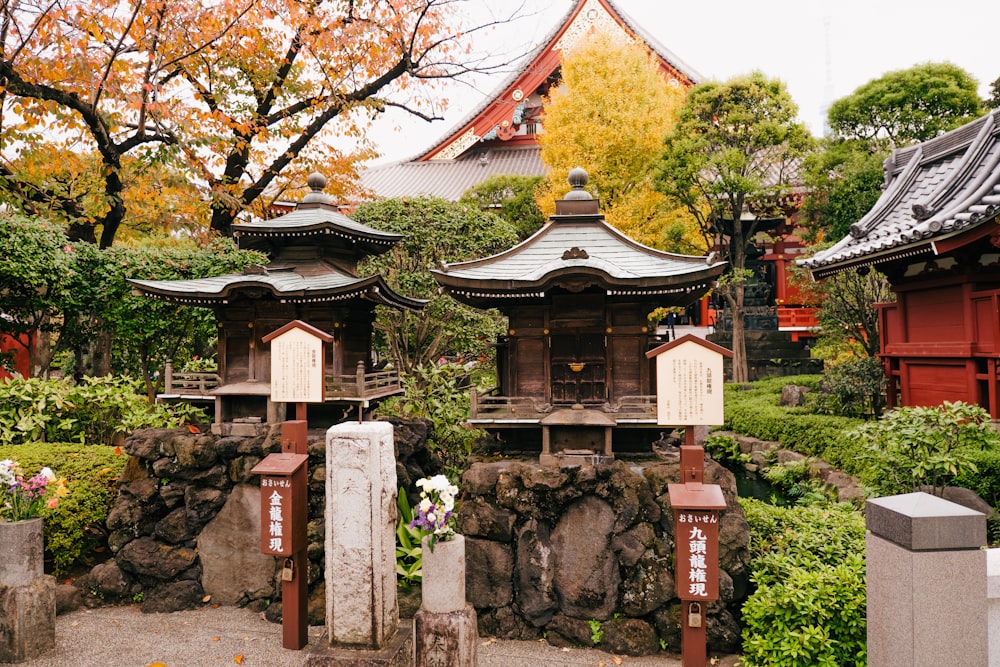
(398, 652)
(445, 640)
(27, 619)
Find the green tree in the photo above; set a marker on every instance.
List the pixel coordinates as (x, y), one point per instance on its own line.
(907, 106)
(141, 333)
(609, 116)
(33, 266)
(734, 150)
(843, 181)
(512, 198)
(993, 101)
(434, 231)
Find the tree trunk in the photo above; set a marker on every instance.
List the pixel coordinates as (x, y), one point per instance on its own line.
(740, 369)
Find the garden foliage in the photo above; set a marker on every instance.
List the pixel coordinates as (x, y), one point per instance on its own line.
(94, 412)
(74, 529)
(809, 605)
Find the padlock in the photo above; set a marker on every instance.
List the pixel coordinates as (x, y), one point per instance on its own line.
(287, 570)
(694, 615)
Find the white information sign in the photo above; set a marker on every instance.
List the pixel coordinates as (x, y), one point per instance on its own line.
(689, 384)
(296, 367)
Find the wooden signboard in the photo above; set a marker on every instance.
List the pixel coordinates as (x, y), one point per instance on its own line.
(283, 503)
(297, 368)
(689, 382)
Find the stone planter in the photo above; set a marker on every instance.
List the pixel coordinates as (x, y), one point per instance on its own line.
(444, 628)
(21, 552)
(27, 594)
(443, 581)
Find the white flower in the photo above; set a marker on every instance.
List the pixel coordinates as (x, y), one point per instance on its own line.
(425, 505)
(432, 517)
(47, 473)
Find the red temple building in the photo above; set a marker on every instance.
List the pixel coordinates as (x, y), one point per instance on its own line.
(573, 379)
(311, 277)
(934, 234)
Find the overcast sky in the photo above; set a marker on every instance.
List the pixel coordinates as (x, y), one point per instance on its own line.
(821, 49)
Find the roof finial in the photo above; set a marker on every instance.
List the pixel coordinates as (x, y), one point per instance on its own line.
(316, 183)
(578, 178)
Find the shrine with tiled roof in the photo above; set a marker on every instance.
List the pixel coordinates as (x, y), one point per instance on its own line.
(572, 372)
(311, 277)
(934, 234)
(500, 136)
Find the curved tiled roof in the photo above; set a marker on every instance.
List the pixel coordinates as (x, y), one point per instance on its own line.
(934, 190)
(306, 284)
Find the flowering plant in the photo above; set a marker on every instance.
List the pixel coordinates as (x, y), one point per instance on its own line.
(21, 498)
(435, 513)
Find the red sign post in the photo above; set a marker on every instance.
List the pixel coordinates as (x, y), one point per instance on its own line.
(689, 373)
(297, 376)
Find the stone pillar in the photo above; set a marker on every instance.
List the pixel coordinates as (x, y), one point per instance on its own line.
(27, 594)
(444, 628)
(926, 574)
(362, 614)
(993, 604)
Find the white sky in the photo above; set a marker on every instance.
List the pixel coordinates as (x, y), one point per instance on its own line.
(821, 49)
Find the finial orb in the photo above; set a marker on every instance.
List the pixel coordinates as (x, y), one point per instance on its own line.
(316, 181)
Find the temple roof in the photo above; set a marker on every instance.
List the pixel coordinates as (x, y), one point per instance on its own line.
(314, 282)
(575, 250)
(315, 221)
(935, 191)
(499, 118)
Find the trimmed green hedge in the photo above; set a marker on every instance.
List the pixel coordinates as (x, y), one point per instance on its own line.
(755, 411)
(809, 607)
(75, 527)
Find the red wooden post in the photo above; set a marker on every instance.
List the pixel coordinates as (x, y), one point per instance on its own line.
(284, 514)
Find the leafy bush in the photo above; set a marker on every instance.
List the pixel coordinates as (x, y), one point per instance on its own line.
(807, 563)
(439, 394)
(95, 411)
(75, 527)
(915, 446)
(796, 482)
(726, 450)
(409, 551)
(854, 388)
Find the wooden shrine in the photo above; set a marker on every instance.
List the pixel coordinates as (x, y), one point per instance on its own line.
(934, 234)
(311, 277)
(573, 378)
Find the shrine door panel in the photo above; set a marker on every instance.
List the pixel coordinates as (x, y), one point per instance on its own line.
(578, 368)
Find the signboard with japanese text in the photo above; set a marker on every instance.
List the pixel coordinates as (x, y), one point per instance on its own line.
(297, 363)
(283, 503)
(697, 538)
(689, 382)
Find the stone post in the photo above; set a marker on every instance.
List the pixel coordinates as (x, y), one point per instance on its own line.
(27, 594)
(993, 604)
(926, 574)
(362, 615)
(444, 628)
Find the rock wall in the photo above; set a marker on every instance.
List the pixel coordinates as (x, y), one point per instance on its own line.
(558, 553)
(185, 527)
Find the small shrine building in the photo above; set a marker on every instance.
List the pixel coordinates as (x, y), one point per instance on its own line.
(312, 277)
(934, 235)
(573, 379)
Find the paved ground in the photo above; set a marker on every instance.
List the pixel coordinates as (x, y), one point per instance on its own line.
(125, 637)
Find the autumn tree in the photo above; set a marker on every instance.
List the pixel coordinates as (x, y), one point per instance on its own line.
(609, 115)
(248, 95)
(729, 160)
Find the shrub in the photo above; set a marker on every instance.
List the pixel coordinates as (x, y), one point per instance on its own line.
(75, 527)
(807, 563)
(854, 388)
(93, 412)
(916, 446)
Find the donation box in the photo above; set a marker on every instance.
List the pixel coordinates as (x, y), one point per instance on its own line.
(283, 503)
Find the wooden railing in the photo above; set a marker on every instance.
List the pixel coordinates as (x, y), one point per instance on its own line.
(362, 384)
(188, 384)
(490, 405)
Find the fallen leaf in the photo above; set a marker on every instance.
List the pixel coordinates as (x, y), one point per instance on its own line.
(215, 638)
(238, 659)
(193, 429)
(118, 451)
(602, 664)
(565, 649)
(156, 664)
(207, 598)
(617, 660)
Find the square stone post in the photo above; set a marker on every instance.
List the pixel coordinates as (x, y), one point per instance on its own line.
(362, 614)
(926, 574)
